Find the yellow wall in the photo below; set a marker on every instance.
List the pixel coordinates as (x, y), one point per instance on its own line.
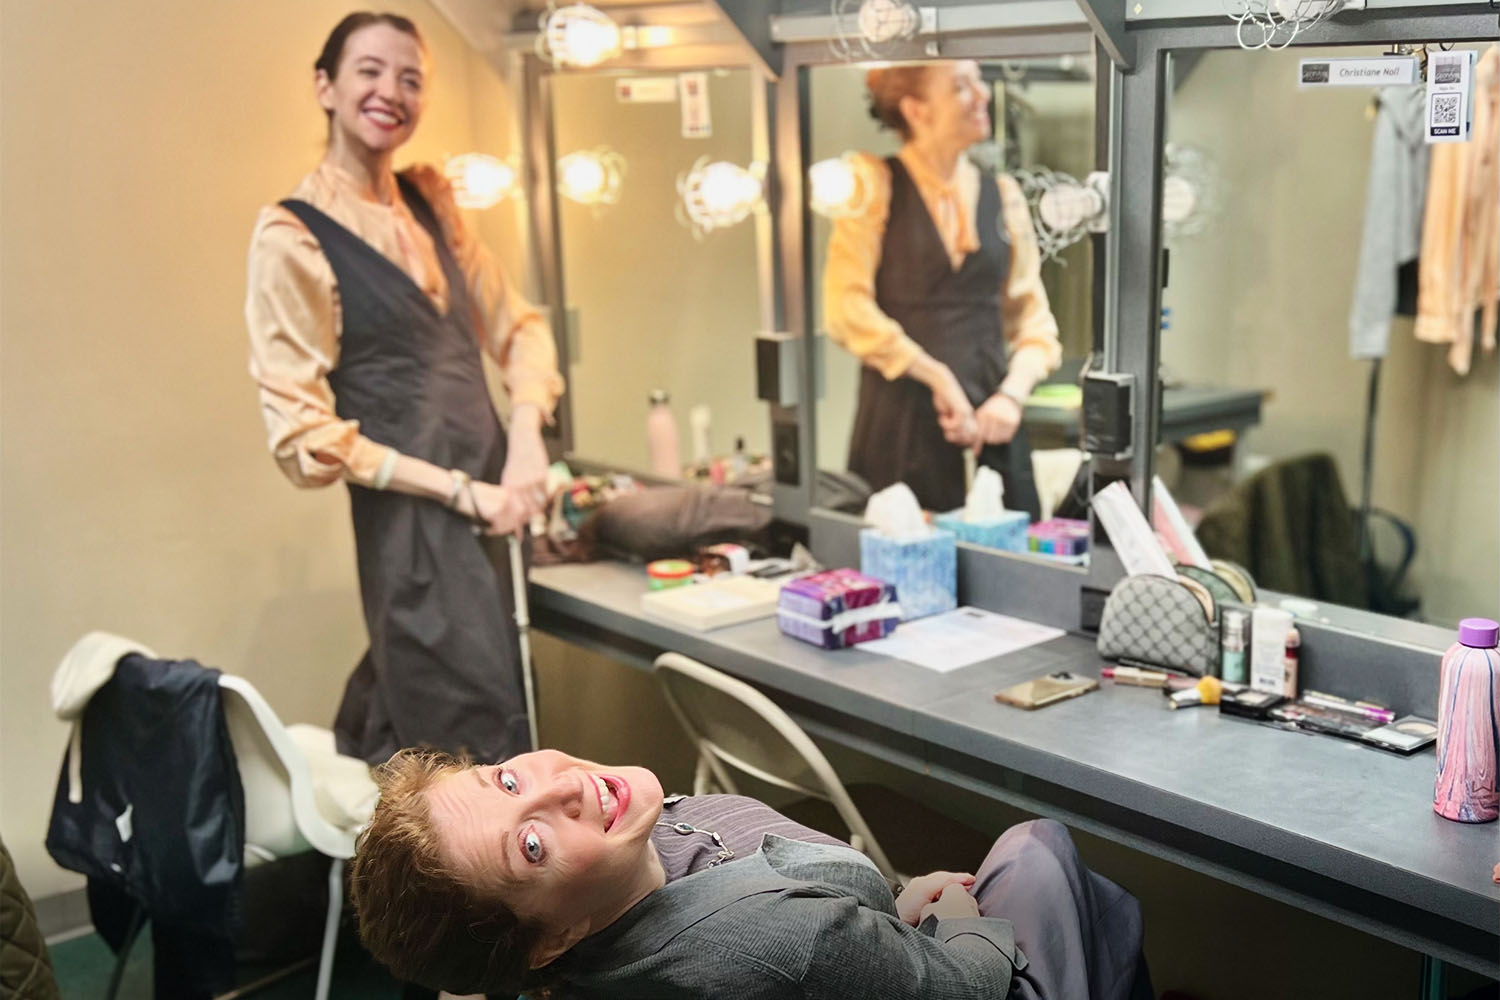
(657, 308)
(138, 140)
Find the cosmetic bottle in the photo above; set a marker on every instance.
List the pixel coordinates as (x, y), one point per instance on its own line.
(1232, 647)
(661, 436)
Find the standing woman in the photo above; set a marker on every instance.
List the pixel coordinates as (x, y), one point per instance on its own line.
(369, 302)
(929, 286)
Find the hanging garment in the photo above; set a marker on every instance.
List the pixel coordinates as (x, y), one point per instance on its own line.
(443, 668)
(1460, 260)
(1395, 195)
(955, 316)
(149, 806)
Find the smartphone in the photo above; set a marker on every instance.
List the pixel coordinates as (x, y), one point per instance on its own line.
(1046, 690)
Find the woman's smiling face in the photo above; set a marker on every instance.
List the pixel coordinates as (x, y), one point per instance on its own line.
(560, 840)
(375, 98)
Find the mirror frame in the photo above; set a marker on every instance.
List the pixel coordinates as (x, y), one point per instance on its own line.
(538, 148)
(1133, 300)
(1070, 35)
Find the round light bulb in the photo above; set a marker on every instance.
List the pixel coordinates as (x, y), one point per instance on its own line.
(727, 190)
(579, 35)
(833, 186)
(479, 181)
(587, 42)
(1068, 206)
(582, 177)
(883, 21)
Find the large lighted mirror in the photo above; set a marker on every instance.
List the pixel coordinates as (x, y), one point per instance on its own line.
(660, 299)
(1326, 259)
(927, 280)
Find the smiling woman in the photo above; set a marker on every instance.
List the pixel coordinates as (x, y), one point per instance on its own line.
(551, 873)
(369, 305)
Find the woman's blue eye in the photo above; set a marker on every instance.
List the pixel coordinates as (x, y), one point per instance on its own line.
(508, 781)
(532, 844)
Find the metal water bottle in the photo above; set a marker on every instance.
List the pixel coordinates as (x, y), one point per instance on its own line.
(1468, 717)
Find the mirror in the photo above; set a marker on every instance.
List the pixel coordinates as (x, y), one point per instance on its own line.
(652, 305)
(1044, 108)
(1262, 300)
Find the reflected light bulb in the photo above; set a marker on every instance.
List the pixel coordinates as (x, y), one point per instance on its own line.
(883, 21)
(479, 181)
(833, 186)
(1178, 199)
(1068, 206)
(582, 177)
(727, 189)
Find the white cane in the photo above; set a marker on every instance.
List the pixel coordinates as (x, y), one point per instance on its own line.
(523, 629)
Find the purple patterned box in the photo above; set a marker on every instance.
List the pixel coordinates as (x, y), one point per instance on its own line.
(837, 608)
(1059, 536)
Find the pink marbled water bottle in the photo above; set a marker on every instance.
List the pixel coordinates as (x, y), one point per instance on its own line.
(1468, 720)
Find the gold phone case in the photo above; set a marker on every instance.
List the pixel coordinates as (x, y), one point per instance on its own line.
(1046, 690)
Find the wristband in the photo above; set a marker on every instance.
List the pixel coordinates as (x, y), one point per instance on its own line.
(387, 469)
(460, 480)
(1011, 395)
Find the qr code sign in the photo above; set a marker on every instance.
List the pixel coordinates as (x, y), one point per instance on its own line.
(1447, 70)
(1445, 108)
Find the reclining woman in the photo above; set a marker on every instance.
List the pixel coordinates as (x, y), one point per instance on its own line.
(549, 872)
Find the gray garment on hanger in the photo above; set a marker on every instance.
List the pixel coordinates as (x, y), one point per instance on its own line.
(1394, 199)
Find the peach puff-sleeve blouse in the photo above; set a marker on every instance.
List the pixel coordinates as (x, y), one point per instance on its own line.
(294, 318)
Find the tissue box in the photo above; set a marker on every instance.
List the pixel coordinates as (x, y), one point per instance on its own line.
(1008, 532)
(923, 570)
(837, 608)
(1059, 536)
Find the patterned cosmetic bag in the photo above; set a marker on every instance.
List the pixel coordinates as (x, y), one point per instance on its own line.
(1159, 621)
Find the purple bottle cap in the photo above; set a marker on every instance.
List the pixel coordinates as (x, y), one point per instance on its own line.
(1479, 633)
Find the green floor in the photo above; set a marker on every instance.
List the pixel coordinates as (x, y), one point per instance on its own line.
(84, 965)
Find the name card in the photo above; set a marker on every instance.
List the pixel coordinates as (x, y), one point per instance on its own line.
(1380, 71)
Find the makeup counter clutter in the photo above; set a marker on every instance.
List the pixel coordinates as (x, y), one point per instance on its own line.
(1349, 823)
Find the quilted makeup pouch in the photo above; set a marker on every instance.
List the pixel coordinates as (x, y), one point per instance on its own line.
(1159, 621)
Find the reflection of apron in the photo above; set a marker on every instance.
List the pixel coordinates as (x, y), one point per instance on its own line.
(955, 317)
(442, 668)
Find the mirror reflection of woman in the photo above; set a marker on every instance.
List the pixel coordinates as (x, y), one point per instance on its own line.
(369, 304)
(936, 286)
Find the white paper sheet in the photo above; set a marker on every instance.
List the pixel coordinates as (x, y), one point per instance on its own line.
(959, 638)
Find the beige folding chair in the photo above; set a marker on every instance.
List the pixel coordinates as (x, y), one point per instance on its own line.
(735, 726)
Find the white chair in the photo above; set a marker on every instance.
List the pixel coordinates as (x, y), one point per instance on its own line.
(300, 795)
(735, 726)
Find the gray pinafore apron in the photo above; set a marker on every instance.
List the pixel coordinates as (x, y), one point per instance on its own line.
(443, 667)
(955, 317)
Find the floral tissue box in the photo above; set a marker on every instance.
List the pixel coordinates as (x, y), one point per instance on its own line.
(1007, 532)
(837, 608)
(923, 570)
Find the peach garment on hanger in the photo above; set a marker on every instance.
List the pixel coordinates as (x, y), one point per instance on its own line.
(1459, 270)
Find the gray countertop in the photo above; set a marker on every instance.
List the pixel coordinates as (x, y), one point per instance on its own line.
(1357, 821)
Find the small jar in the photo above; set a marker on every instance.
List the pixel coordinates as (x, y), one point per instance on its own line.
(1468, 705)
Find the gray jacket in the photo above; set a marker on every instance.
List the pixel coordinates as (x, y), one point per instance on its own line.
(1395, 199)
(792, 920)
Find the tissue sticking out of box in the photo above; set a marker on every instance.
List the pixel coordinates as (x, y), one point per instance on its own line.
(895, 513)
(986, 500)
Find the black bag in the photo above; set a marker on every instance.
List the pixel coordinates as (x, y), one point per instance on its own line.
(660, 522)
